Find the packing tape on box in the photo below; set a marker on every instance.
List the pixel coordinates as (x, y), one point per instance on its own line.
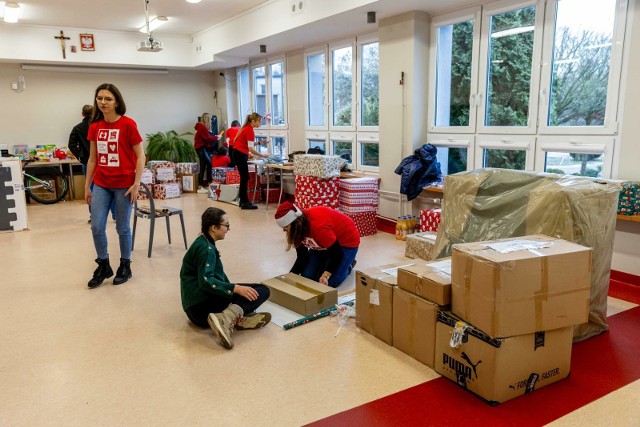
(468, 267)
(306, 288)
(412, 321)
(543, 294)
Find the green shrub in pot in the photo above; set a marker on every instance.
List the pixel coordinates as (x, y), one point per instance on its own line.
(170, 146)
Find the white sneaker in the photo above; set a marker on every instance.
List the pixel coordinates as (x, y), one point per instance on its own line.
(202, 190)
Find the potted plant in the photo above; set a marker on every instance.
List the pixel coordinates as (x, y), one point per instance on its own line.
(171, 146)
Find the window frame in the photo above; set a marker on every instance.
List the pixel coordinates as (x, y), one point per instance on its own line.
(610, 126)
(526, 143)
(325, 109)
(488, 11)
(584, 144)
(349, 137)
(456, 141)
(351, 42)
(474, 14)
(316, 135)
(366, 138)
(360, 42)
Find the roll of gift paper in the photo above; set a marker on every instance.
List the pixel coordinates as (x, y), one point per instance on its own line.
(310, 318)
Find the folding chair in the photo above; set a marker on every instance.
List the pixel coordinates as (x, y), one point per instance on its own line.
(152, 212)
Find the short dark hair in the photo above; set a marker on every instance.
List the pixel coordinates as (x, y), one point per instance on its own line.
(87, 110)
(222, 150)
(211, 216)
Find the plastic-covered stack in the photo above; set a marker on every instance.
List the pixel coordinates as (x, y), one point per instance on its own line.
(317, 180)
(490, 204)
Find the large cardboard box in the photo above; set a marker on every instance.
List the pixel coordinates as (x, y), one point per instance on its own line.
(302, 295)
(500, 369)
(414, 326)
(431, 280)
(521, 285)
(420, 245)
(374, 300)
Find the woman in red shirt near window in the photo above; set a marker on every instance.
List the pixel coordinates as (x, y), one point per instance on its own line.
(242, 146)
(230, 136)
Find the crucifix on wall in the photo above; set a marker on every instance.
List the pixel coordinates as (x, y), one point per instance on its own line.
(63, 45)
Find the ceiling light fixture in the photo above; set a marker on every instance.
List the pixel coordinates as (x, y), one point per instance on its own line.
(154, 23)
(11, 12)
(194, 1)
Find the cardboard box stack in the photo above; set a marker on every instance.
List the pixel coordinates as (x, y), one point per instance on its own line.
(253, 191)
(300, 294)
(317, 180)
(358, 199)
(219, 175)
(514, 303)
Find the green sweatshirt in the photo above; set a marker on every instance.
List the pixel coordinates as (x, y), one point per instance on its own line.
(202, 275)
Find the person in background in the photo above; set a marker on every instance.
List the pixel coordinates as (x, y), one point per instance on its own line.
(242, 146)
(326, 242)
(208, 297)
(202, 141)
(116, 160)
(230, 136)
(78, 142)
(220, 159)
(79, 146)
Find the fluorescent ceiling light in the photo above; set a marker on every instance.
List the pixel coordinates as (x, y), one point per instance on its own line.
(11, 12)
(93, 70)
(154, 23)
(512, 31)
(194, 1)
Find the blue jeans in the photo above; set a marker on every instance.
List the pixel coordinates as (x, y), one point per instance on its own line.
(113, 204)
(318, 262)
(101, 201)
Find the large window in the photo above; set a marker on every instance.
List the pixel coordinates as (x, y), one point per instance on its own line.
(244, 94)
(342, 100)
(529, 68)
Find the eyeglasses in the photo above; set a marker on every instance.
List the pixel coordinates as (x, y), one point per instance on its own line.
(104, 99)
(226, 225)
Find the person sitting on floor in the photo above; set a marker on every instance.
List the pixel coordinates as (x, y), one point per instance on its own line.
(208, 297)
(220, 159)
(326, 242)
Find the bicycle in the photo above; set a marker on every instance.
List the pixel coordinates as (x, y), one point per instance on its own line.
(46, 185)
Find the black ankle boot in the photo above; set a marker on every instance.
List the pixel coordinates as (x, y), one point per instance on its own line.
(124, 272)
(103, 271)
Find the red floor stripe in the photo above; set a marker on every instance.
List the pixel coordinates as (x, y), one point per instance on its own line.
(599, 366)
(624, 291)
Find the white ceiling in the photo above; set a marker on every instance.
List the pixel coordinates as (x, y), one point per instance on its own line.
(188, 19)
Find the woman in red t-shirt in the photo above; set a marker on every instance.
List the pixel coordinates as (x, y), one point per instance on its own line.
(116, 160)
(242, 146)
(230, 136)
(326, 242)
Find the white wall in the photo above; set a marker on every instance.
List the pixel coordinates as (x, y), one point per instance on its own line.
(50, 105)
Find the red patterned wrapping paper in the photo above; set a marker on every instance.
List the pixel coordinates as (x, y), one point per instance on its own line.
(430, 219)
(365, 222)
(166, 191)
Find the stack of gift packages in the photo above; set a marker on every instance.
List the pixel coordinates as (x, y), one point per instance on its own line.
(317, 180)
(358, 199)
(163, 179)
(187, 175)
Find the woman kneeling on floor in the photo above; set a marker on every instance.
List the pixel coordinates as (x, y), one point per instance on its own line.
(207, 294)
(326, 242)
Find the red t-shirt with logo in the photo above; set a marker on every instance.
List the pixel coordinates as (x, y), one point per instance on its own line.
(327, 225)
(241, 142)
(115, 158)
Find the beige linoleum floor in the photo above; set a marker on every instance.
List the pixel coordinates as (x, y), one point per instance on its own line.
(127, 356)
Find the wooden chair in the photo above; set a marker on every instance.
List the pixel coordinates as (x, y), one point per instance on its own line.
(152, 212)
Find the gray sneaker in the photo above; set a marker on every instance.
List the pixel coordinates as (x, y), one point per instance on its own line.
(253, 321)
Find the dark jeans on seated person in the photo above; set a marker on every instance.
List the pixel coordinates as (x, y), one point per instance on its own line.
(199, 313)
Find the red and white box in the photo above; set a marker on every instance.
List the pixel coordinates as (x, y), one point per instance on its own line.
(148, 177)
(142, 195)
(166, 191)
(273, 196)
(430, 219)
(351, 206)
(311, 186)
(306, 202)
(366, 222)
(233, 177)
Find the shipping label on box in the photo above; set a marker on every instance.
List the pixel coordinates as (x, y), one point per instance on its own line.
(164, 174)
(374, 300)
(414, 326)
(521, 285)
(504, 368)
(431, 280)
(299, 294)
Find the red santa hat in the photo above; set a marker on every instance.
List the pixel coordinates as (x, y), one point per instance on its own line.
(286, 213)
